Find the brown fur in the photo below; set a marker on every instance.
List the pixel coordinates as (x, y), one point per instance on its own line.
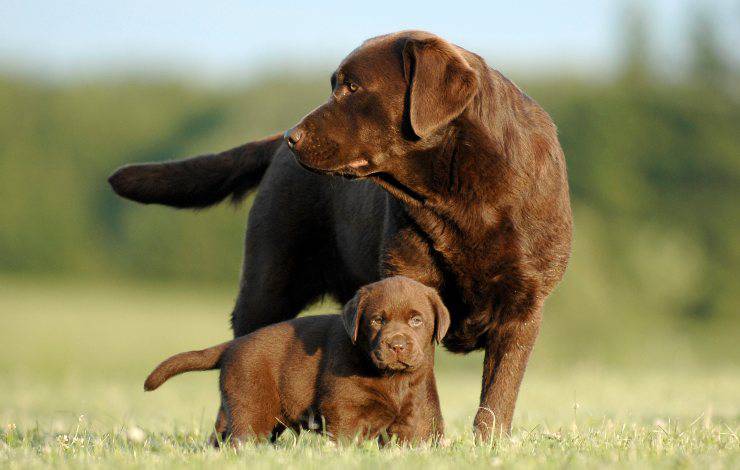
(367, 373)
(475, 202)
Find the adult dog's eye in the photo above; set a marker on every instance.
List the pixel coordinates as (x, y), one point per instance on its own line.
(352, 87)
(416, 321)
(377, 322)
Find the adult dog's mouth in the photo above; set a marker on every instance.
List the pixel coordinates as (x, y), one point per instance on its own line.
(361, 169)
(348, 171)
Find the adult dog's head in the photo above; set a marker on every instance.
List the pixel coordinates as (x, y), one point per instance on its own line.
(396, 321)
(391, 97)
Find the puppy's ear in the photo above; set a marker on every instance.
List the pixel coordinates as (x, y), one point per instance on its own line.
(441, 84)
(441, 315)
(352, 315)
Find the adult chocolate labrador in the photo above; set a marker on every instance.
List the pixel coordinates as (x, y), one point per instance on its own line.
(424, 162)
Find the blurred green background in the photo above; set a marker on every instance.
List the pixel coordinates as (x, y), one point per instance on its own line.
(95, 290)
(654, 164)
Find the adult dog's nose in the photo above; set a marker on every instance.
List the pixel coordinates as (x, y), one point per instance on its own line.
(293, 136)
(398, 344)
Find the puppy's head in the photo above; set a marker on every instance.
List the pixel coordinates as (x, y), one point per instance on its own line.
(396, 321)
(391, 97)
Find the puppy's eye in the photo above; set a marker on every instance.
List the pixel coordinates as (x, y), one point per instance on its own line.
(377, 322)
(416, 321)
(352, 87)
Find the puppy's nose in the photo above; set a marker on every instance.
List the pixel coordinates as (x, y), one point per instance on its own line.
(293, 136)
(398, 343)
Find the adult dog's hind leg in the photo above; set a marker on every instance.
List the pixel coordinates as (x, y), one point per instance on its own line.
(285, 255)
(275, 287)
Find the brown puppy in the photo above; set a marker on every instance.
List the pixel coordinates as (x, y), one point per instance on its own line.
(364, 373)
(452, 177)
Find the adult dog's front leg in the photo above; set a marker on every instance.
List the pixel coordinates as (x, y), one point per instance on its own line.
(507, 353)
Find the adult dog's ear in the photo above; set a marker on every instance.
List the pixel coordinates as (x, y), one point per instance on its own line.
(352, 315)
(441, 315)
(441, 84)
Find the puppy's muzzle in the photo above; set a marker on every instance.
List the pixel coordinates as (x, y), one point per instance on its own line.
(396, 353)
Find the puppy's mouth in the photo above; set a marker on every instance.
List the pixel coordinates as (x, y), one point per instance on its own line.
(394, 364)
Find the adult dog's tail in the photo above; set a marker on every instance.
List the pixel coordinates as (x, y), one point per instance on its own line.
(199, 181)
(206, 359)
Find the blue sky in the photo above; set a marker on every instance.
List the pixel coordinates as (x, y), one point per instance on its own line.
(215, 39)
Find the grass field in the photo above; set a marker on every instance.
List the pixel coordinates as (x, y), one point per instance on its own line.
(75, 356)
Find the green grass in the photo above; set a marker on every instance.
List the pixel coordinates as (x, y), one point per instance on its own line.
(75, 356)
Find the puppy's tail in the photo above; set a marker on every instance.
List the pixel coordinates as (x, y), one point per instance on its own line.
(205, 359)
(198, 181)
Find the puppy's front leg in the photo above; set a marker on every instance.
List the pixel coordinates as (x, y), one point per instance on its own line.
(404, 432)
(423, 424)
(431, 425)
(352, 424)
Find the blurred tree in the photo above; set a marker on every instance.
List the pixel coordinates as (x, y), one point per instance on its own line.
(636, 61)
(708, 65)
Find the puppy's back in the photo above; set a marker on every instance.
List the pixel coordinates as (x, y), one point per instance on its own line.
(288, 356)
(291, 351)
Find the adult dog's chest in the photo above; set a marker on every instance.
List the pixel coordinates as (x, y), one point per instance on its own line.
(480, 270)
(473, 257)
